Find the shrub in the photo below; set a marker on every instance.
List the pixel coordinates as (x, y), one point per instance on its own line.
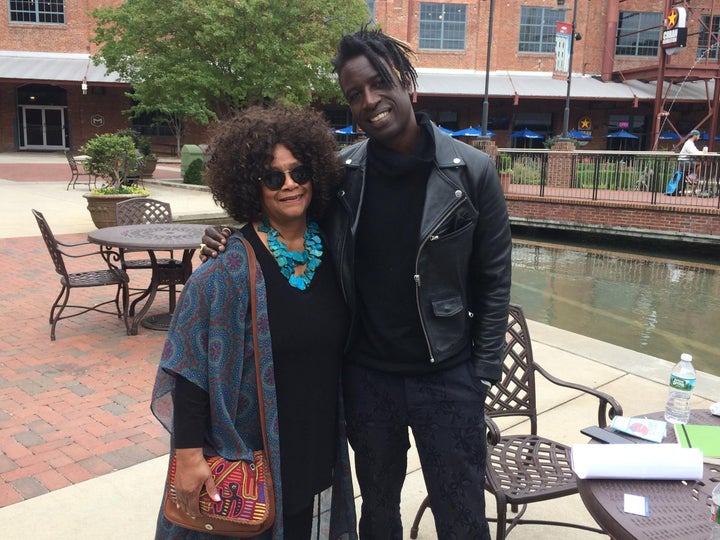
(194, 172)
(111, 156)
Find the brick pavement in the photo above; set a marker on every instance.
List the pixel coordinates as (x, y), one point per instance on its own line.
(46, 172)
(75, 408)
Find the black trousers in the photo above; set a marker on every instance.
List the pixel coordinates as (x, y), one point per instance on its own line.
(445, 411)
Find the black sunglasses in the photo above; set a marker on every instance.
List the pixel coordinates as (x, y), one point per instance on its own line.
(274, 180)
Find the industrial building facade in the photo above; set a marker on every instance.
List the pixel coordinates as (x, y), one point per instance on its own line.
(52, 97)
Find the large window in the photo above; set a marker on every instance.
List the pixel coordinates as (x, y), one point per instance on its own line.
(707, 46)
(538, 28)
(638, 34)
(48, 11)
(442, 26)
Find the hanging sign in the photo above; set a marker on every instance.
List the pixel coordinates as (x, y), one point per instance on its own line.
(674, 37)
(563, 45)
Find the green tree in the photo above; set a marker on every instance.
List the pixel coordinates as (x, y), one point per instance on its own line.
(202, 59)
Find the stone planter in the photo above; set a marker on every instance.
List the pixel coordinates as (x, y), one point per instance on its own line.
(148, 168)
(102, 207)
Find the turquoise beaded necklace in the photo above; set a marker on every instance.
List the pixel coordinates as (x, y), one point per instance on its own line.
(288, 260)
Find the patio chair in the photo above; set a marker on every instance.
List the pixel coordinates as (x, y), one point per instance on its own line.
(110, 275)
(525, 468)
(76, 174)
(142, 212)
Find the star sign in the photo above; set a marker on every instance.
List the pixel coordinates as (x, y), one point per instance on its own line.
(672, 18)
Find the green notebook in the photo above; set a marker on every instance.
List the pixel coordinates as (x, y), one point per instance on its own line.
(706, 438)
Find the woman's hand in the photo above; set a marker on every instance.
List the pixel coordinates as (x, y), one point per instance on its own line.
(214, 241)
(191, 473)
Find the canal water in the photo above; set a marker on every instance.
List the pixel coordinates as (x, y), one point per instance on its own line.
(661, 304)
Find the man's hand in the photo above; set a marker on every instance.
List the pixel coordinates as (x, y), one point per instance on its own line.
(214, 241)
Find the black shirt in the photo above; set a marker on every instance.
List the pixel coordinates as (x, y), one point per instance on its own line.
(308, 330)
(389, 332)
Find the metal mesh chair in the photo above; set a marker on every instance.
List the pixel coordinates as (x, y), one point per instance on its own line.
(170, 271)
(526, 468)
(110, 275)
(137, 211)
(76, 173)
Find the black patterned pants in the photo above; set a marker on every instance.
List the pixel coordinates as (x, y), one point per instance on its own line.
(445, 412)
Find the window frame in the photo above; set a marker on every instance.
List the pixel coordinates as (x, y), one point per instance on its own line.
(33, 12)
(636, 33)
(704, 38)
(545, 30)
(449, 30)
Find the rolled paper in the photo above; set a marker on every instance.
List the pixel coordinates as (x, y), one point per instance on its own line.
(636, 461)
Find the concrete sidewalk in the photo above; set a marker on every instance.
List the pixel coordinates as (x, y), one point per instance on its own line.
(81, 456)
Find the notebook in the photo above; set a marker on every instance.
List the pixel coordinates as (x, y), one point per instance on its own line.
(706, 438)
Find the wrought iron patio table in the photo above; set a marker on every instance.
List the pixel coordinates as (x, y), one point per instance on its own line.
(151, 238)
(678, 509)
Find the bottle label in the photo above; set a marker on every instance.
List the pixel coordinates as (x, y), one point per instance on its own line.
(686, 385)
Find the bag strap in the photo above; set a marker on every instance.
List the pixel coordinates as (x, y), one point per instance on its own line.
(252, 271)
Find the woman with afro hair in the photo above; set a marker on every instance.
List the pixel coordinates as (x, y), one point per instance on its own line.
(275, 171)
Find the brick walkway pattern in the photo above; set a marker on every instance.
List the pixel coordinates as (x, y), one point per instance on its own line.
(78, 407)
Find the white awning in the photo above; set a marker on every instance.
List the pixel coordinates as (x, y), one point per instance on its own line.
(53, 67)
(457, 82)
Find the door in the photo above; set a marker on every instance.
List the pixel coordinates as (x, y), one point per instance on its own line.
(43, 128)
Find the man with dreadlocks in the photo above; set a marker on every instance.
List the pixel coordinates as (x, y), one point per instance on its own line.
(422, 242)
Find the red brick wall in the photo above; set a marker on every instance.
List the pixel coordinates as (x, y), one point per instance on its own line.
(70, 37)
(610, 214)
(400, 18)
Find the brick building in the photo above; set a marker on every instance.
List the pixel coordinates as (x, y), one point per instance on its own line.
(52, 97)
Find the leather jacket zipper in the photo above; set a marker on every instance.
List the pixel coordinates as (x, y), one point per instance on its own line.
(431, 237)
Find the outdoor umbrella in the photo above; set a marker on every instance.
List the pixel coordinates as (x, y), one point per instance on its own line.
(579, 135)
(622, 134)
(347, 130)
(669, 136)
(705, 137)
(526, 134)
(467, 132)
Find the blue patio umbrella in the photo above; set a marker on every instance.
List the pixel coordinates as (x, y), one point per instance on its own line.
(669, 136)
(347, 130)
(467, 132)
(526, 134)
(622, 134)
(705, 137)
(579, 135)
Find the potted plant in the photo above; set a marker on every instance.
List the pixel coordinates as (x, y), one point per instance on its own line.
(142, 144)
(111, 156)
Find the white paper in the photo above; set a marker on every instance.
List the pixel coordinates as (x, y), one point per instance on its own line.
(636, 504)
(640, 461)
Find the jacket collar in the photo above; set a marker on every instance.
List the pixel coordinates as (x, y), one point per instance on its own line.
(446, 154)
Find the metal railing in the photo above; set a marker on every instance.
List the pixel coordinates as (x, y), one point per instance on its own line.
(634, 177)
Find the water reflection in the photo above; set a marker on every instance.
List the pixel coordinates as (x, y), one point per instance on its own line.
(651, 305)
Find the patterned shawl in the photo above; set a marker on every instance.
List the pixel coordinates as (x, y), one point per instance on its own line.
(210, 344)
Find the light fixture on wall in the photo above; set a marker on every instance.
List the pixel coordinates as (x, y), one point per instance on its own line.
(84, 86)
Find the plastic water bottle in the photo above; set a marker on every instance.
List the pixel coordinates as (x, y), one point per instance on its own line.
(682, 384)
(715, 513)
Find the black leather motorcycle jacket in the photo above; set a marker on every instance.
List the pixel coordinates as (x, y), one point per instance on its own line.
(463, 262)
